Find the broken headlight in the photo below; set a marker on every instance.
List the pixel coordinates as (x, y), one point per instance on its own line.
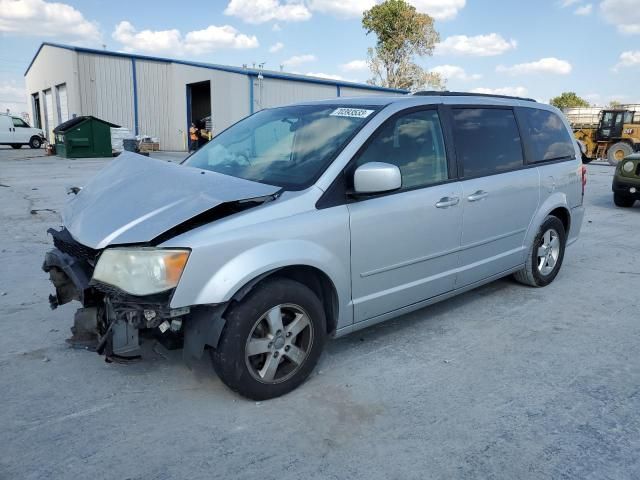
(141, 271)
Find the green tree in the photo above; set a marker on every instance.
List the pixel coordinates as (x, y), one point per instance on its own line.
(613, 104)
(568, 100)
(402, 34)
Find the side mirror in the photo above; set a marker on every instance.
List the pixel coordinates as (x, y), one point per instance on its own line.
(376, 177)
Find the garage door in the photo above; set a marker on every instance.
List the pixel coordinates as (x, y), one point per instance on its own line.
(63, 109)
(48, 107)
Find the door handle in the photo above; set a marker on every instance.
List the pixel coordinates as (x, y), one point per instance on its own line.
(446, 202)
(476, 197)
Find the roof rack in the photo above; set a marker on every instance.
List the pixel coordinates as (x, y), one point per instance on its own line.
(429, 93)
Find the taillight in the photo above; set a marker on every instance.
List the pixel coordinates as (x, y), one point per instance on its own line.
(584, 178)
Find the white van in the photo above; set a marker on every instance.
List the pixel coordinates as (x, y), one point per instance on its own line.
(16, 132)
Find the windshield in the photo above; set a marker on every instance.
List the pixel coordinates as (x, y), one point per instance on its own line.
(288, 147)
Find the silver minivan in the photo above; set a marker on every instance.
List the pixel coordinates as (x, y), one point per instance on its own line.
(312, 221)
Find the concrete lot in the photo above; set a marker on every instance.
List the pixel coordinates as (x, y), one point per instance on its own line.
(505, 382)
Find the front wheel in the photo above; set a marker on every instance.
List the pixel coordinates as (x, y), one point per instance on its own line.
(35, 142)
(272, 340)
(545, 254)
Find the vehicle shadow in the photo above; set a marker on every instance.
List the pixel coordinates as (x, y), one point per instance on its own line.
(606, 201)
(433, 320)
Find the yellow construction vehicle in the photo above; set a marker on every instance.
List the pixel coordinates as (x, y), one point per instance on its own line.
(610, 134)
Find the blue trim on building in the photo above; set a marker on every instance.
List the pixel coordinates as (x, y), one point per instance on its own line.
(188, 131)
(224, 68)
(135, 95)
(250, 94)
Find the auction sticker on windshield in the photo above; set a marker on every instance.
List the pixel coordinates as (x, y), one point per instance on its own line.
(351, 112)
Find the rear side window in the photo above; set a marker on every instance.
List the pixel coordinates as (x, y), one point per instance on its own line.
(487, 140)
(548, 137)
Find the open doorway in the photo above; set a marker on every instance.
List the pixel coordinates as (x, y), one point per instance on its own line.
(199, 112)
(35, 98)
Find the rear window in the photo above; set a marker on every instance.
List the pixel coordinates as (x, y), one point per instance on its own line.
(548, 137)
(487, 140)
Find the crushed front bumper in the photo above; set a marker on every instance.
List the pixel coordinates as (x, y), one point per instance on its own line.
(110, 320)
(628, 187)
(69, 276)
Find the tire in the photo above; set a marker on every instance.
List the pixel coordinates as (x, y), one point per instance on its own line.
(16, 145)
(35, 142)
(617, 152)
(535, 275)
(254, 321)
(624, 201)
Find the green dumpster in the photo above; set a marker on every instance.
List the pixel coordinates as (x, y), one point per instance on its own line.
(83, 137)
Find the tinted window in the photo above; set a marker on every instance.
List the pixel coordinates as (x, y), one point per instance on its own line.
(487, 140)
(628, 117)
(548, 137)
(414, 143)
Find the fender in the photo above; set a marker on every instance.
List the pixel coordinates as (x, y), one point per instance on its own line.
(557, 199)
(250, 264)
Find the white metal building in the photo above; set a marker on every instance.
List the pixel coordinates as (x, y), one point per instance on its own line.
(160, 97)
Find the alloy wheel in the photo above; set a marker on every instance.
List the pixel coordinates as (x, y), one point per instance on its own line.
(548, 252)
(279, 343)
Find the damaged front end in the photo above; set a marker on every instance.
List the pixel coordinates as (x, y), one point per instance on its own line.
(113, 231)
(110, 320)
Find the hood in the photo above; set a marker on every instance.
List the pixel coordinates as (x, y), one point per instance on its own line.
(136, 198)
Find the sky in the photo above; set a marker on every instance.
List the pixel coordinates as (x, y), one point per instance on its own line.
(536, 48)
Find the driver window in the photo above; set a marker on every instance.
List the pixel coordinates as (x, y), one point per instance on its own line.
(414, 143)
(619, 118)
(18, 122)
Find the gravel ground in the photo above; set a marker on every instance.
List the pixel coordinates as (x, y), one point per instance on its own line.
(505, 382)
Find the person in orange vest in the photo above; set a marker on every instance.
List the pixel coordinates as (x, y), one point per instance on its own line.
(193, 137)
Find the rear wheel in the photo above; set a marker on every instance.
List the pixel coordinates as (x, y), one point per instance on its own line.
(545, 254)
(618, 151)
(35, 142)
(624, 201)
(272, 340)
(16, 145)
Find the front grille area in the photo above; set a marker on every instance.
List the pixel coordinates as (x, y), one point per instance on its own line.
(123, 297)
(64, 242)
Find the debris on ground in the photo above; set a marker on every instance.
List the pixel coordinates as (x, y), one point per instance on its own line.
(36, 210)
